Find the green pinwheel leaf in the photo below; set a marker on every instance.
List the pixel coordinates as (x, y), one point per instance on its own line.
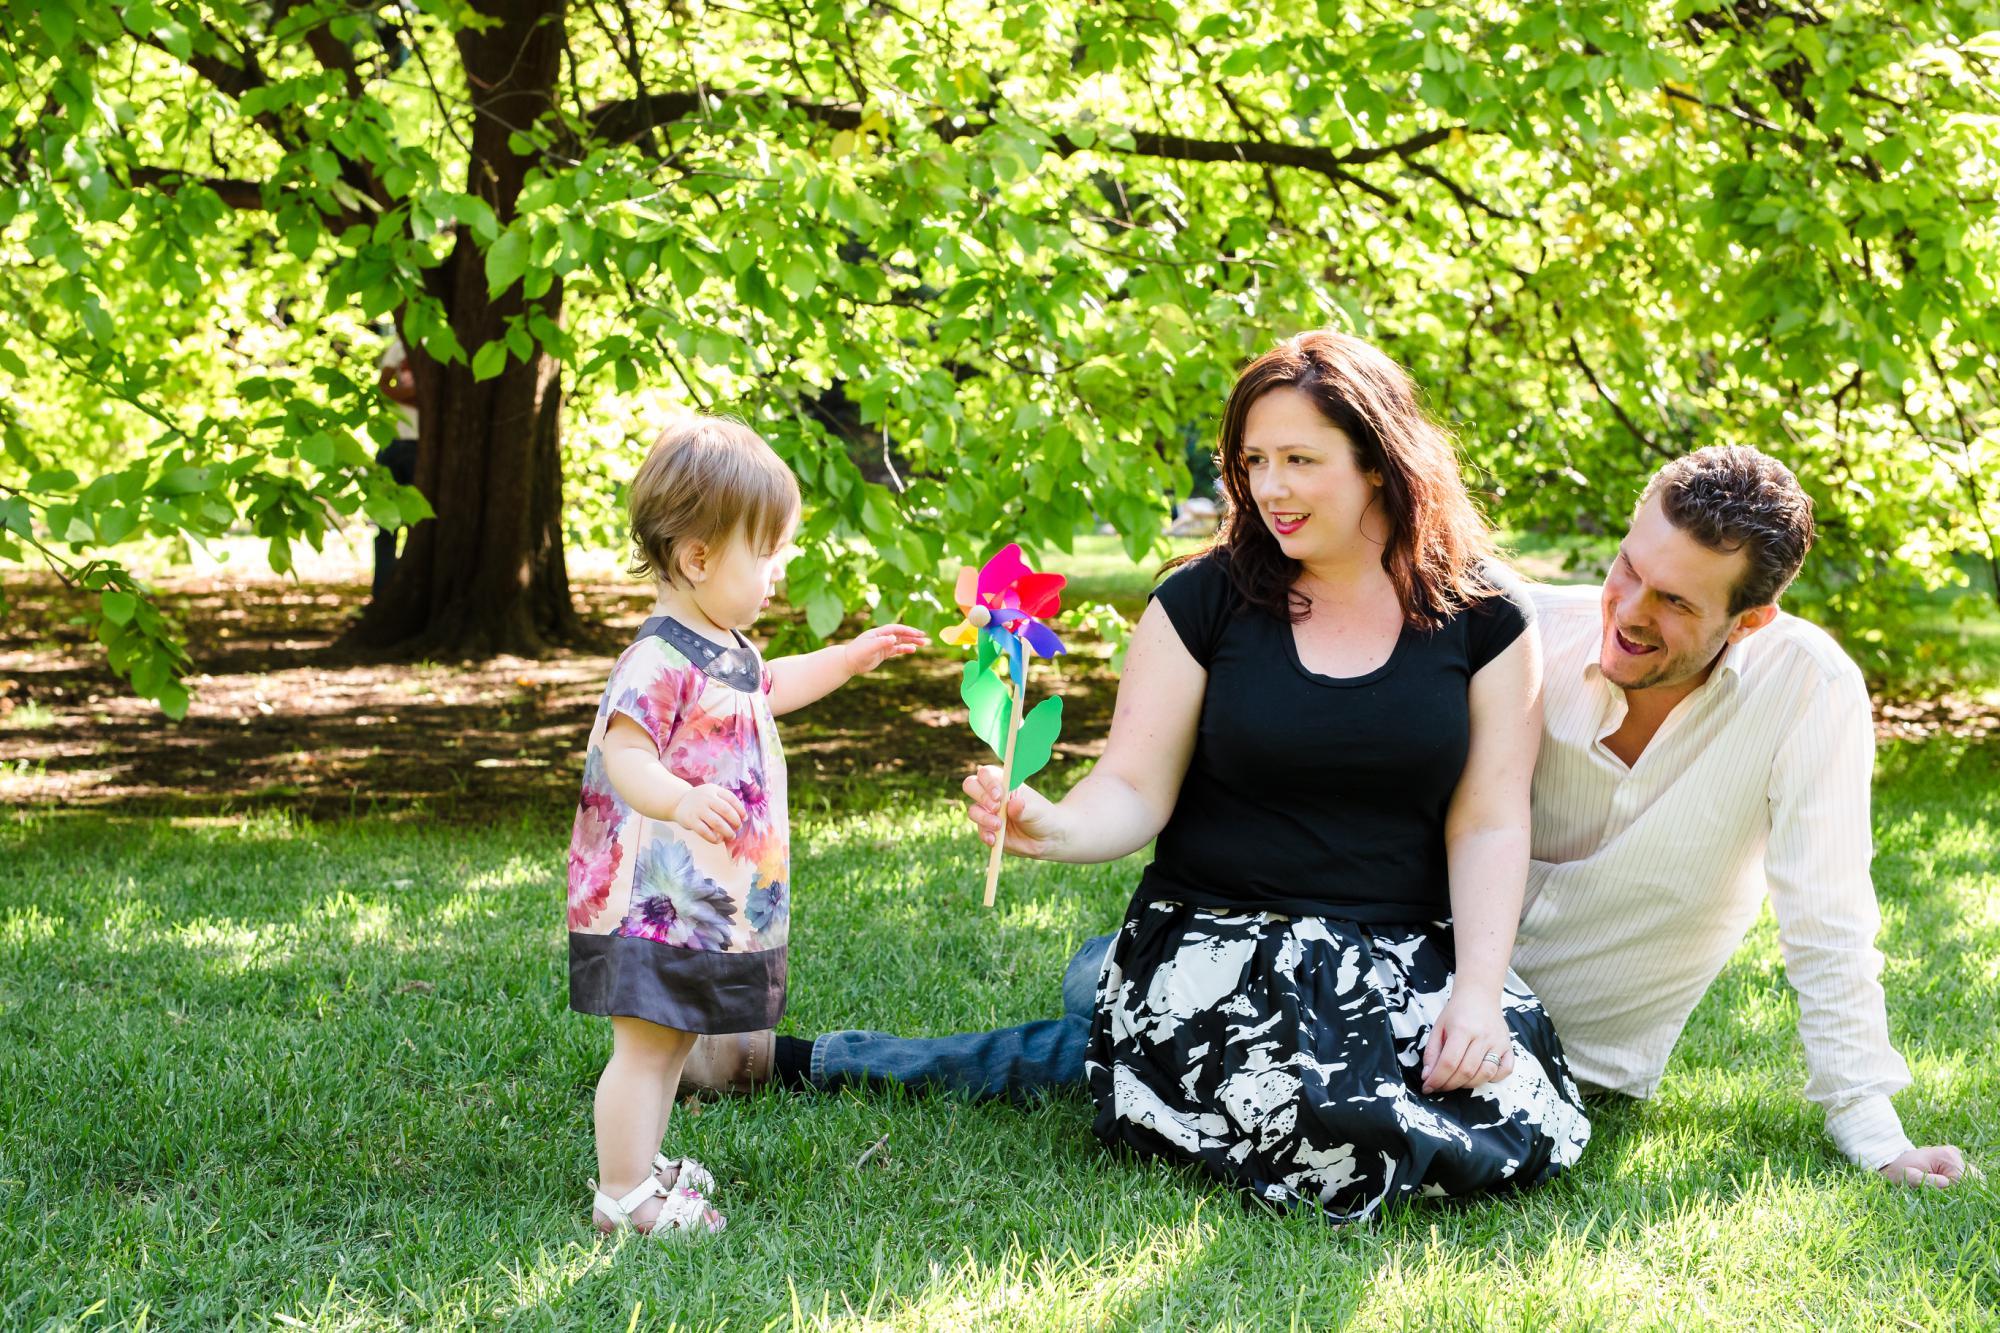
(1037, 738)
(986, 695)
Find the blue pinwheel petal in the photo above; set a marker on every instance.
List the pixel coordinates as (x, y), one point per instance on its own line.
(1041, 638)
(1008, 645)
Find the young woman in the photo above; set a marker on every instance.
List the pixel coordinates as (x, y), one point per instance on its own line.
(1329, 720)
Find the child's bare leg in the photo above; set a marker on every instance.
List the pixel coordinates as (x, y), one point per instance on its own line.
(669, 1091)
(670, 1086)
(634, 1098)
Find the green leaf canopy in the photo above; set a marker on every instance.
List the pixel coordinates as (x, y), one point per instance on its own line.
(990, 269)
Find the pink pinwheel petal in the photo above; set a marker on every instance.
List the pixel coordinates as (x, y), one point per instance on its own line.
(1001, 573)
(967, 591)
(1038, 593)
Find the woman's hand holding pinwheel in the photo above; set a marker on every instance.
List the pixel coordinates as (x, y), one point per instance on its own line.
(1031, 816)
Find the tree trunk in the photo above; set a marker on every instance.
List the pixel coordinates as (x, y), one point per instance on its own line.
(487, 574)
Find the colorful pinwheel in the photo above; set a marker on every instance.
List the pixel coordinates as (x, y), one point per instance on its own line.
(1005, 605)
(1007, 601)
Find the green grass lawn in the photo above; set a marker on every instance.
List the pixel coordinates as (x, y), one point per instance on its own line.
(1099, 570)
(253, 1071)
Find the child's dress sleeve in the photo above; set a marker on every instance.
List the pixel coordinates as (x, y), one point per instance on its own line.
(655, 687)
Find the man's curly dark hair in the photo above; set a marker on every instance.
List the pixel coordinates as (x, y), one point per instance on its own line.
(1735, 498)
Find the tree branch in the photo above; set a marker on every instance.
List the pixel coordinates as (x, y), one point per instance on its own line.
(235, 80)
(1409, 147)
(1652, 446)
(1465, 197)
(628, 55)
(247, 196)
(1970, 476)
(336, 57)
(628, 120)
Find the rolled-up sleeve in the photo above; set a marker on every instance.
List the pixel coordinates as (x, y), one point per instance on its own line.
(1817, 866)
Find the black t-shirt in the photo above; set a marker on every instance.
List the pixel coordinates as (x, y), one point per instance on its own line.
(1314, 796)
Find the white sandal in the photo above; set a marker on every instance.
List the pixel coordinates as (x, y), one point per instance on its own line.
(685, 1171)
(683, 1209)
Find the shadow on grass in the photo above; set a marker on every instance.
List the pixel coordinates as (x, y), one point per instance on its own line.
(260, 1067)
(284, 718)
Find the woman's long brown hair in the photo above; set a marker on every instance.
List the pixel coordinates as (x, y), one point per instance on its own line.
(1438, 541)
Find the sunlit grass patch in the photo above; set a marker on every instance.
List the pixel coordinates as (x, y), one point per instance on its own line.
(322, 1075)
(30, 716)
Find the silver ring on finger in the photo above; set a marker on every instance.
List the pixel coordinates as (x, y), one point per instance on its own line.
(1490, 1059)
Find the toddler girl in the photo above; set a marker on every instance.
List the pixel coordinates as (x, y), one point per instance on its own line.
(679, 862)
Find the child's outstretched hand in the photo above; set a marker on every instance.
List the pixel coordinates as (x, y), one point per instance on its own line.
(876, 646)
(710, 812)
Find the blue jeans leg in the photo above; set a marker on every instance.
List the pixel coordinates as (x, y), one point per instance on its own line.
(400, 457)
(1012, 1062)
(385, 560)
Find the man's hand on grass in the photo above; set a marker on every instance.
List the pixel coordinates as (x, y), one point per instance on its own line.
(1935, 1168)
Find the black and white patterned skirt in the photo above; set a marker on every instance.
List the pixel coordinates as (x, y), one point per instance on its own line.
(1284, 1054)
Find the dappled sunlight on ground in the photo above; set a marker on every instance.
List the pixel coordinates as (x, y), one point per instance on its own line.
(1104, 1288)
(284, 715)
(348, 1095)
(264, 1063)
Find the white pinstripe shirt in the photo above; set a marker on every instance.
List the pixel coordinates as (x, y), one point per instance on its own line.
(1644, 880)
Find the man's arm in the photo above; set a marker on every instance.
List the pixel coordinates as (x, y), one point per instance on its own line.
(1817, 865)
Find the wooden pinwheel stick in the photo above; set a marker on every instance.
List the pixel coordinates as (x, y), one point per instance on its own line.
(1006, 793)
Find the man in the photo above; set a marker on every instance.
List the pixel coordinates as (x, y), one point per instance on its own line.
(1701, 751)
(399, 456)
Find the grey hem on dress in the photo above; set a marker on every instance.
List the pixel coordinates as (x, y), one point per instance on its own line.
(694, 990)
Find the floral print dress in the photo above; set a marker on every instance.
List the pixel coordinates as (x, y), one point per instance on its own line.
(664, 925)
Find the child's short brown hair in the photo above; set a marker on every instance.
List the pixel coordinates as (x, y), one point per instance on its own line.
(706, 479)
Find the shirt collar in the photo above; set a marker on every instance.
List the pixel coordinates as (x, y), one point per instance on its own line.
(739, 668)
(1733, 658)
